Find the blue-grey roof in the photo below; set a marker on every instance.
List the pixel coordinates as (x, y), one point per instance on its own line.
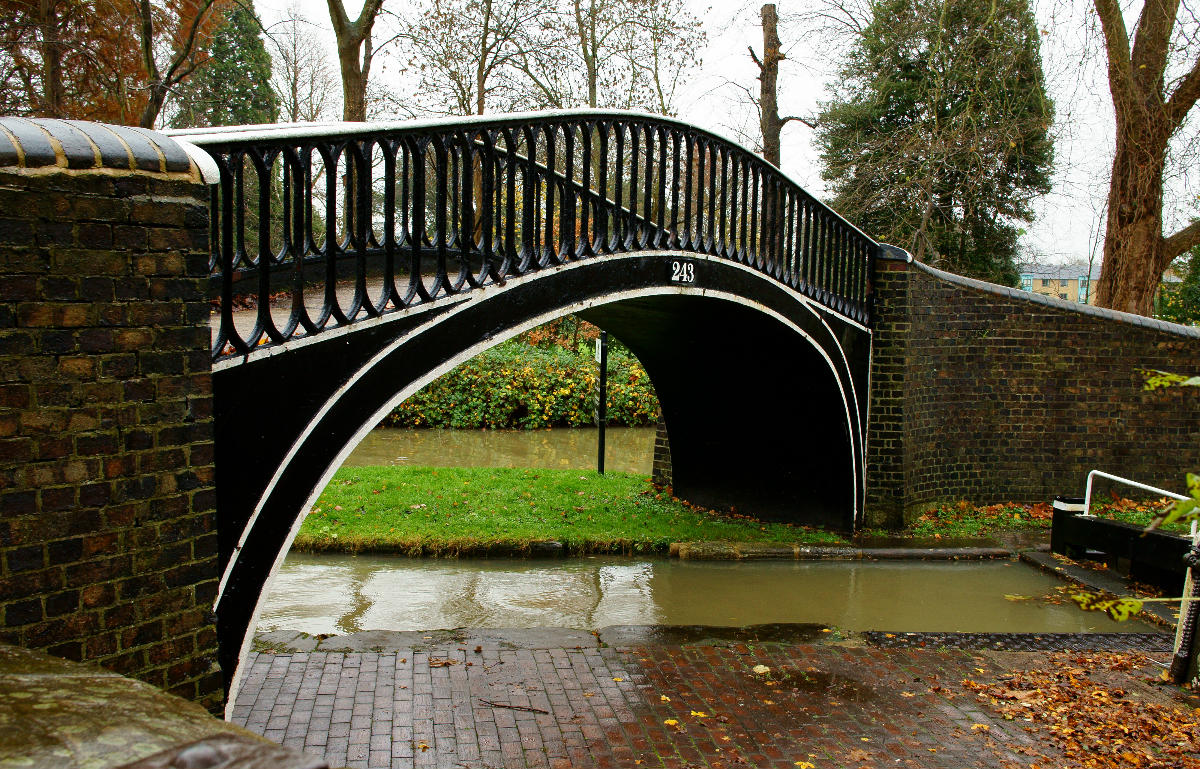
(1068, 271)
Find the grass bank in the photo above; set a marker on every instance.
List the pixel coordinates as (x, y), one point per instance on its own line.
(448, 511)
(963, 519)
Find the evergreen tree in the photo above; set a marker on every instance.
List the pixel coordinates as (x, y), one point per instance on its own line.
(1180, 302)
(937, 137)
(233, 87)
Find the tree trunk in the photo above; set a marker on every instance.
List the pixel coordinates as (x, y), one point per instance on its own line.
(1134, 248)
(52, 53)
(354, 84)
(354, 55)
(154, 104)
(768, 78)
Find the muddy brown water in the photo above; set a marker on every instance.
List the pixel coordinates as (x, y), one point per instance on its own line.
(627, 449)
(346, 594)
(341, 594)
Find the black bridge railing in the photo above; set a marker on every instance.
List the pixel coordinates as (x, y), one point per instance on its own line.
(319, 226)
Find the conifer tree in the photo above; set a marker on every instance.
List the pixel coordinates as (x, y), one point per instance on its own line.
(234, 86)
(937, 138)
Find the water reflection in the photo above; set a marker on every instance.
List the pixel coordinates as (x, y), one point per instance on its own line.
(627, 449)
(342, 594)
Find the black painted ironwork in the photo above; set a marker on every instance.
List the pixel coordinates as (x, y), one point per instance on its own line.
(320, 227)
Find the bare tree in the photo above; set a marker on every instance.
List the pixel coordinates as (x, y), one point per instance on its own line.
(301, 76)
(1154, 81)
(465, 52)
(770, 122)
(615, 53)
(181, 53)
(355, 54)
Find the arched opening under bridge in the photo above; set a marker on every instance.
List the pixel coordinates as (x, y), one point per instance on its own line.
(762, 390)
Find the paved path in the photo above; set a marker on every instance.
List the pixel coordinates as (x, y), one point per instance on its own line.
(643, 704)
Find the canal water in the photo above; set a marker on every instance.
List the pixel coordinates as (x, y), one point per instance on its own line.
(341, 594)
(346, 594)
(627, 449)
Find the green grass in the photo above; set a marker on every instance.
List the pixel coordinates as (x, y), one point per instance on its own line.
(459, 510)
(963, 519)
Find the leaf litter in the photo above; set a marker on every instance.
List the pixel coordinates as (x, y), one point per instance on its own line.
(1094, 708)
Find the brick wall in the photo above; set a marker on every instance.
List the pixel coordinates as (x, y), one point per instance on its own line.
(989, 394)
(107, 523)
(884, 504)
(661, 470)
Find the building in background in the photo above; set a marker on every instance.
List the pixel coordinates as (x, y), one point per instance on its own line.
(1073, 282)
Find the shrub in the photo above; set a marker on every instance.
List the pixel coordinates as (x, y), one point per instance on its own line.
(516, 385)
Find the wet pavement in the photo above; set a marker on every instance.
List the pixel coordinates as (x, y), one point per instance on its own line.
(687, 698)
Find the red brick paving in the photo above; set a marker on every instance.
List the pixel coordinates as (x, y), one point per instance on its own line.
(827, 705)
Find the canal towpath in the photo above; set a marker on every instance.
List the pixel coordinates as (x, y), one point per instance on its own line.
(781, 696)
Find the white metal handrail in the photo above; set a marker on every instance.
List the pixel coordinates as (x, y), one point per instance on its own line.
(1087, 497)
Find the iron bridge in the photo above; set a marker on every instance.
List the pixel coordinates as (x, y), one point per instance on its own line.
(352, 264)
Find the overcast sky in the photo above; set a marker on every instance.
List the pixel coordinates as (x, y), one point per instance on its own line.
(1070, 219)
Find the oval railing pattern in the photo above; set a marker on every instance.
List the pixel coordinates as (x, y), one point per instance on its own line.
(319, 226)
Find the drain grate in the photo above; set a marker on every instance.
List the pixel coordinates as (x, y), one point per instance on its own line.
(1026, 642)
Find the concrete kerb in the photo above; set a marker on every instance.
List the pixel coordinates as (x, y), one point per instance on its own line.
(1104, 581)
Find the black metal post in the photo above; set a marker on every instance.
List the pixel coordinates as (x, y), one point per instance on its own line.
(602, 406)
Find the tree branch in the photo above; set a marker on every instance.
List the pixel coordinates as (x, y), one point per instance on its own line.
(754, 56)
(1185, 97)
(186, 50)
(1185, 239)
(810, 123)
(147, 30)
(1150, 44)
(1116, 46)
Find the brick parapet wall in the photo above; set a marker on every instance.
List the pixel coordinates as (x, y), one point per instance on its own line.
(108, 549)
(885, 428)
(1002, 396)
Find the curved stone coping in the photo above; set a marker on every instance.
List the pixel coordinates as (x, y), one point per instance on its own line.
(56, 713)
(1058, 304)
(77, 145)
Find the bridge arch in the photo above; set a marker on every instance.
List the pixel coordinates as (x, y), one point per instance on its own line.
(761, 389)
(353, 263)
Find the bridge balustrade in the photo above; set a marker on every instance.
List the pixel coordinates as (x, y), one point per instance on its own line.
(318, 226)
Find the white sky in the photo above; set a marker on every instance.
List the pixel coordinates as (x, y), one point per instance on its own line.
(1070, 223)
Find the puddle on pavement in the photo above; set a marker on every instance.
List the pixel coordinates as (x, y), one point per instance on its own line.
(346, 594)
(828, 685)
(626, 449)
